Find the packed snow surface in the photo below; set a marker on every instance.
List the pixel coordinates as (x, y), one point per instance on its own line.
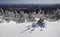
(13, 29)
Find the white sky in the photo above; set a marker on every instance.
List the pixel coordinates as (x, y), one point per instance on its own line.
(29, 1)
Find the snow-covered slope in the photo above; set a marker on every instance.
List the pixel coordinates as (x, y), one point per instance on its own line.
(12, 29)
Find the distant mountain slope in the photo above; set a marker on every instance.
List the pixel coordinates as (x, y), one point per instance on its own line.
(30, 5)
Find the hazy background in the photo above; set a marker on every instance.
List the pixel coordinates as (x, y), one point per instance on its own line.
(29, 1)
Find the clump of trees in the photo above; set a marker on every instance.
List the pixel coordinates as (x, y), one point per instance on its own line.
(20, 16)
(16, 16)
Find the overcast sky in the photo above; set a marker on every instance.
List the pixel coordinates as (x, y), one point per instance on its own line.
(29, 1)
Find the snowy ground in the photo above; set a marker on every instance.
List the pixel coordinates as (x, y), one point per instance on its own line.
(13, 30)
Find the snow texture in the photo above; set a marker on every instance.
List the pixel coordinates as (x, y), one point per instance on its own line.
(12, 29)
